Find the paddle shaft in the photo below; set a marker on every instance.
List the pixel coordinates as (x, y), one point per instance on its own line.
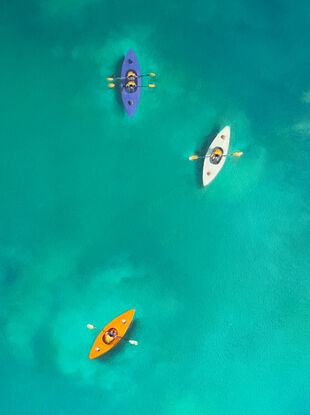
(125, 77)
(140, 86)
(119, 337)
(224, 155)
(123, 338)
(130, 341)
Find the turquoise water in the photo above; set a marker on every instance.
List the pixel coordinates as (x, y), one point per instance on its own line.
(101, 213)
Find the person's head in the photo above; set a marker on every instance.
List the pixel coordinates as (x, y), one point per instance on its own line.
(112, 332)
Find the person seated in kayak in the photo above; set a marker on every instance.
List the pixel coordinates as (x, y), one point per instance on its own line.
(216, 155)
(109, 336)
(131, 86)
(131, 76)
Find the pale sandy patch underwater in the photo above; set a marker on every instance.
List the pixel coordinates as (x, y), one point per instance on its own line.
(101, 213)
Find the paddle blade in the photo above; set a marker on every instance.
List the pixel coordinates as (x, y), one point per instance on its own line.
(151, 85)
(111, 85)
(193, 157)
(134, 342)
(152, 74)
(110, 78)
(237, 153)
(90, 326)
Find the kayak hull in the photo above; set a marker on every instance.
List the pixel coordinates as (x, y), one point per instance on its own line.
(211, 170)
(130, 99)
(121, 324)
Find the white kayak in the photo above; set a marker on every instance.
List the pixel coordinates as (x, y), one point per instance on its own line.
(216, 156)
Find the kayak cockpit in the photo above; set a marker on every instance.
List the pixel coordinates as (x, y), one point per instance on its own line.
(110, 336)
(216, 155)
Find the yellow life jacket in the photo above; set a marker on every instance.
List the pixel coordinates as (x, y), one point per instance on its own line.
(217, 152)
(131, 73)
(129, 83)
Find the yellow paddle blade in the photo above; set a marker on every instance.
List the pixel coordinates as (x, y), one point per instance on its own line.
(151, 85)
(111, 85)
(110, 78)
(152, 74)
(237, 153)
(193, 157)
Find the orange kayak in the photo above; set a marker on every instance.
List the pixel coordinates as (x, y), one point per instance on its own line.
(111, 334)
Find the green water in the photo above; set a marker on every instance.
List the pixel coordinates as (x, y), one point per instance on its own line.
(101, 213)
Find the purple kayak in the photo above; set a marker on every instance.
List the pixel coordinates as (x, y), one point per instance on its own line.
(130, 83)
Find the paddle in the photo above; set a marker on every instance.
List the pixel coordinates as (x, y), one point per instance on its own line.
(143, 86)
(137, 86)
(235, 153)
(112, 78)
(134, 342)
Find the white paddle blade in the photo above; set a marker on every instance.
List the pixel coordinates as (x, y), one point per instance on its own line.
(90, 326)
(134, 342)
